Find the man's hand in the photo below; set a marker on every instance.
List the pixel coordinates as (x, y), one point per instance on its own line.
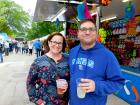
(87, 85)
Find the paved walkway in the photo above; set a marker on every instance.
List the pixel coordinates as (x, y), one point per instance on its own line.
(13, 74)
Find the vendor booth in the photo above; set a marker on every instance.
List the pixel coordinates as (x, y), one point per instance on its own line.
(4, 37)
(118, 24)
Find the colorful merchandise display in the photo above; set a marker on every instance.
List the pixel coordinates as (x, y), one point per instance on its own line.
(126, 46)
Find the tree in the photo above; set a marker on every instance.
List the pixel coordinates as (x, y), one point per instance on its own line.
(13, 19)
(40, 29)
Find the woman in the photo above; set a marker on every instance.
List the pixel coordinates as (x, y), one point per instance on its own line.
(45, 70)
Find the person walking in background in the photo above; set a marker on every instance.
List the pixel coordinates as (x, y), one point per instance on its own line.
(6, 48)
(95, 71)
(20, 45)
(1, 52)
(16, 48)
(37, 46)
(23, 48)
(26, 47)
(46, 70)
(30, 45)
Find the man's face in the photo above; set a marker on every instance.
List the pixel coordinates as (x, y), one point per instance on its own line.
(87, 33)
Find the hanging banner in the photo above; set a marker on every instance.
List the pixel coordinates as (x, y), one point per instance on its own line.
(71, 30)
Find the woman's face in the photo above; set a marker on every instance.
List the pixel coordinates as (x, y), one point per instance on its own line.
(56, 44)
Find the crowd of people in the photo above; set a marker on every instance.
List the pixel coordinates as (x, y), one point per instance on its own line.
(23, 47)
(91, 71)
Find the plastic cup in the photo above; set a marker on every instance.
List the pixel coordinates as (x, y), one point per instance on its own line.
(80, 92)
(61, 83)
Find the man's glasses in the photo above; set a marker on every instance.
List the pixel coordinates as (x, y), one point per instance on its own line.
(56, 43)
(84, 29)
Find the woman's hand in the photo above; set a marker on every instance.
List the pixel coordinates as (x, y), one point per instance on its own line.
(43, 103)
(62, 89)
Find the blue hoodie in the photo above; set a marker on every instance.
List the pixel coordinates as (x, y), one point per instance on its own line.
(98, 64)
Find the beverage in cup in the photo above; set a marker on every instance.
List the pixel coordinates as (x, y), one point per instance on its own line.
(80, 92)
(61, 85)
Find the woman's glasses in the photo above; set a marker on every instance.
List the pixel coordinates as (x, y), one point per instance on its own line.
(56, 43)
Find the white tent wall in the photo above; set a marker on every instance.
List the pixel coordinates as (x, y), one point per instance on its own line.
(45, 37)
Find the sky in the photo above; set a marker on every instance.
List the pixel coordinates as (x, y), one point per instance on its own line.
(28, 5)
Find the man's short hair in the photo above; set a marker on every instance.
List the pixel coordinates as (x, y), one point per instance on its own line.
(86, 20)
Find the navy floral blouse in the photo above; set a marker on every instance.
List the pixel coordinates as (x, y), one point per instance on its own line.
(41, 81)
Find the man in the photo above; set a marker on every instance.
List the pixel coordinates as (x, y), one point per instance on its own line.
(95, 66)
(37, 46)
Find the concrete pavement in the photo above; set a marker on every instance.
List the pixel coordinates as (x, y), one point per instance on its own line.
(13, 74)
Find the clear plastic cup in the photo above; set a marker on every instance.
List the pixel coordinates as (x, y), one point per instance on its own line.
(61, 85)
(80, 92)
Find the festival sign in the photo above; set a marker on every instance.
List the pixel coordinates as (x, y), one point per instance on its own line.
(71, 30)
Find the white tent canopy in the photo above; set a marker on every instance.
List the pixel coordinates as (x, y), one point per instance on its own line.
(45, 37)
(4, 37)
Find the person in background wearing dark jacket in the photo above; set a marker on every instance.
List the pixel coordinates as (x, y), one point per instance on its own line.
(1, 52)
(94, 70)
(45, 70)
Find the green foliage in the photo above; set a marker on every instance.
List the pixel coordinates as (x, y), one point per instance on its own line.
(40, 29)
(15, 22)
(13, 19)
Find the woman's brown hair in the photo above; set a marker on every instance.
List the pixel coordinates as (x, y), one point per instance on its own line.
(49, 39)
